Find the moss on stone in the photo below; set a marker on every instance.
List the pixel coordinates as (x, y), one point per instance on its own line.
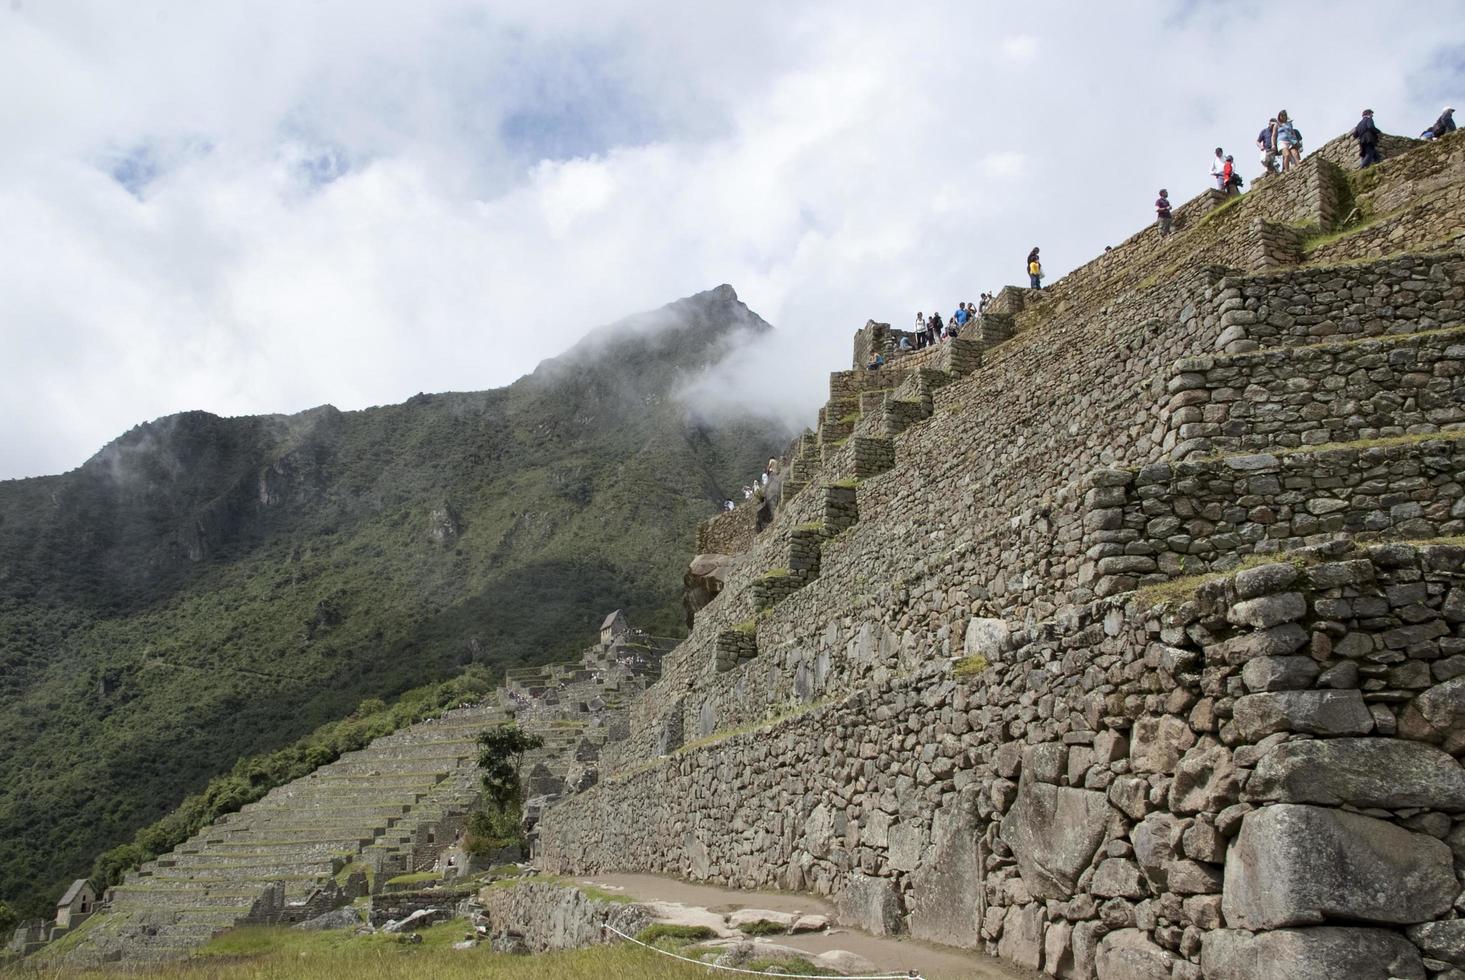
(969, 666)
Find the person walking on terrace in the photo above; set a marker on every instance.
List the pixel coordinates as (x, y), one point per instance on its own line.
(1367, 135)
(1266, 142)
(1217, 165)
(1035, 269)
(1444, 124)
(1162, 211)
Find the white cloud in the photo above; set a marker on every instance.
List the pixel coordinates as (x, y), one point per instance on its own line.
(338, 202)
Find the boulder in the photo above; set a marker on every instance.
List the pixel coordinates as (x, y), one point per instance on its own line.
(871, 904)
(342, 918)
(420, 919)
(1118, 878)
(1156, 841)
(1205, 781)
(985, 638)
(1128, 954)
(1324, 953)
(1309, 712)
(1157, 744)
(946, 892)
(1279, 673)
(811, 923)
(1302, 865)
(1437, 715)
(705, 577)
(1054, 832)
(843, 961)
(1022, 935)
(1441, 940)
(1359, 772)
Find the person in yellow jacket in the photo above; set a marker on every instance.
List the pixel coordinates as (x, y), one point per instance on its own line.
(1035, 269)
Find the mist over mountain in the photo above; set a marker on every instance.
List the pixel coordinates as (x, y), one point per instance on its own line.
(204, 587)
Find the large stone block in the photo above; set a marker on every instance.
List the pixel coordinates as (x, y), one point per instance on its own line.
(1361, 772)
(946, 897)
(1303, 865)
(871, 904)
(1441, 940)
(1324, 953)
(1128, 954)
(1157, 744)
(1308, 712)
(1054, 832)
(1206, 781)
(1022, 936)
(1437, 715)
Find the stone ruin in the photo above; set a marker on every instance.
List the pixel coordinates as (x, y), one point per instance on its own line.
(1123, 637)
(396, 807)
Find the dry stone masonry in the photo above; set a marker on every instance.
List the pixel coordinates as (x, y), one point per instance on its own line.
(1141, 652)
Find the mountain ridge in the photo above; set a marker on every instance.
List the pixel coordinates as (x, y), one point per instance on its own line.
(292, 565)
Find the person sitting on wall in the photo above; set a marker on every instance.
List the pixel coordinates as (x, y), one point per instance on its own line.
(1444, 124)
(876, 360)
(905, 344)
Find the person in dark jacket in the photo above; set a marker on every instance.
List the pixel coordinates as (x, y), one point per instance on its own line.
(1367, 135)
(1444, 124)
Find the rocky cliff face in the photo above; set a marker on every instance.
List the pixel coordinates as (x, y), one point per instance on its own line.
(205, 587)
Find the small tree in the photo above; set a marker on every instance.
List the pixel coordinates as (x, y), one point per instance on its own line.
(9, 919)
(501, 757)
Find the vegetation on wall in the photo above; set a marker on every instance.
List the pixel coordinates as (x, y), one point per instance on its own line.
(499, 823)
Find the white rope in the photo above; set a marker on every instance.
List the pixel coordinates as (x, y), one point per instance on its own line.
(911, 975)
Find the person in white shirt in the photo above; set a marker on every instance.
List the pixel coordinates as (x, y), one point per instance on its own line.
(1217, 165)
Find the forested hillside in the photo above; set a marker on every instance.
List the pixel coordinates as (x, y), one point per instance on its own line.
(205, 588)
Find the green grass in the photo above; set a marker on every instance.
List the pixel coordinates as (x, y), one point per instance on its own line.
(773, 573)
(351, 868)
(848, 483)
(762, 927)
(849, 419)
(816, 527)
(798, 968)
(678, 934)
(747, 627)
(1179, 589)
(969, 666)
(1382, 442)
(416, 878)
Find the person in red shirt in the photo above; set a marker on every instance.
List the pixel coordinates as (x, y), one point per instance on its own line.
(1230, 182)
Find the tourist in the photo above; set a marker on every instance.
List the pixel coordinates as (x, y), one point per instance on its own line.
(876, 360)
(933, 329)
(728, 505)
(1162, 211)
(905, 344)
(1217, 165)
(960, 317)
(1289, 141)
(1035, 269)
(1230, 179)
(1367, 135)
(1444, 124)
(982, 304)
(1266, 142)
(920, 330)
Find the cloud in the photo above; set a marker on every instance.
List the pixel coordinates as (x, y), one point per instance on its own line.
(264, 207)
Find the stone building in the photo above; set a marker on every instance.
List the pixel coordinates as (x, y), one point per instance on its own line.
(79, 902)
(614, 627)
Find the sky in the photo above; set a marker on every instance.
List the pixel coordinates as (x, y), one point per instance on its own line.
(265, 206)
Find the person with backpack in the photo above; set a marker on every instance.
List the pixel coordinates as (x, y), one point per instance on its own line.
(933, 329)
(1217, 165)
(1035, 269)
(1367, 135)
(1266, 142)
(1230, 179)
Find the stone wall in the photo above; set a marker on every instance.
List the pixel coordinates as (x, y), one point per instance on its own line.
(1268, 765)
(550, 915)
(729, 533)
(1404, 384)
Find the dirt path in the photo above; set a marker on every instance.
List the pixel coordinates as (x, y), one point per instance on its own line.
(888, 953)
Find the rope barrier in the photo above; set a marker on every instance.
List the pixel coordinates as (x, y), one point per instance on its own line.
(909, 975)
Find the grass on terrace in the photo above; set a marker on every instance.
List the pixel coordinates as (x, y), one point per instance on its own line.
(272, 953)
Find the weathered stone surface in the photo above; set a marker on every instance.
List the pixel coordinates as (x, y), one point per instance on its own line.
(1279, 673)
(1206, 780)
(1323, 953)
(1360, 772)
(947, 890)
(1156, 841)
(705, 577)
(1437, 715)
(1307, 712)
(342, 918)
(1302, 865)
(753, 917)
(843, 961)
(1118, 878)
(1054, 832)
(1268, 611)
(1157, 744)
(1441, 940)
(1022, 936)
(986, 638)
(869, 903)
(1128, 954)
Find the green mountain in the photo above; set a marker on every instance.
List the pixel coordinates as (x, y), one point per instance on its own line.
(205, 588)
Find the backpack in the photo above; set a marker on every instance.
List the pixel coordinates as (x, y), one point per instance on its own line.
(1236, 180)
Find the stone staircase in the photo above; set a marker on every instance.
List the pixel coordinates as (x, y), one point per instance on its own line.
(276, 859)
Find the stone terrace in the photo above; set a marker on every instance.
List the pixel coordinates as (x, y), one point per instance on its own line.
(1151, 415)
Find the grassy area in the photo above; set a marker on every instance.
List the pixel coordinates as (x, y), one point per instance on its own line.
(415, 878)
(1183, 588)
(288, 954)
(969, 666)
